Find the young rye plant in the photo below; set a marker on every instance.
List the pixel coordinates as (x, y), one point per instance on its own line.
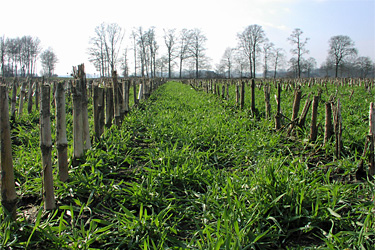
(190, 170)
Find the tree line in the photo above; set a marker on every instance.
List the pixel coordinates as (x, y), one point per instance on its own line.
(185, 55)
(255, 50)
(104, 51)
(185, 51)
(19, 56)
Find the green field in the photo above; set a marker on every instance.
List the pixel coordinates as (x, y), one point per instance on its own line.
(189, 170)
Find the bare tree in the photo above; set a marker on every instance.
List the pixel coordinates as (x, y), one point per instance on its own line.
(143, 51)
(35, 50)
(267, 51)
(114, 36)
(13, 52)
(162, 63)
(105, 47)
(184, 45)
(241, 62)
(125, 64)
(29, 51)
(364, 66)
(147, 50)
(21, 54)
(340, 47)
(249, 41)
(134, 37)
(153, 47)
(220, 69)
(48, 59)
(97, 53)
(170, 42)
(293, 66)
(309, 65)
(327, 66)
(197, 49)
(278, 58)
(300, 48)
(226, 62)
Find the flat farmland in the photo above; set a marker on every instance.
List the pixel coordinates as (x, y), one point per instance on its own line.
(191, 170)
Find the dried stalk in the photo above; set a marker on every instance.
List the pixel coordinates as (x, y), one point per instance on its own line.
(22, 98)
(296, 104)
(61, 138)
(242, 95)
(338, 129)
(77, 121)
(278, 115)
(328, 130)
(109, 106)
(125, 96)
(267, 93)
(8, 190)
(14, 99)
(314, 118)
(116, 98)
(304, 112)
(46, 148)
(30, 98)
(372, 136)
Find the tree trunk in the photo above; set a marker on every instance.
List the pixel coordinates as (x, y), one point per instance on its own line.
(197, 68)
(46, 148)
(8, 190)
(181, 68)
(61, 139)
(169, 63)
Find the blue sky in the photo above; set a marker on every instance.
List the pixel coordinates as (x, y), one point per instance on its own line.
(67, 25)
(321, 20)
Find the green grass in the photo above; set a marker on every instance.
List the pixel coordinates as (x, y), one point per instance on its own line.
(188, 170)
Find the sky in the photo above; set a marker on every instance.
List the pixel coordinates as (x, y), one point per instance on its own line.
(66, 26)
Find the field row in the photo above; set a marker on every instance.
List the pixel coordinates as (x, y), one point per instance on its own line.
(187, 169)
